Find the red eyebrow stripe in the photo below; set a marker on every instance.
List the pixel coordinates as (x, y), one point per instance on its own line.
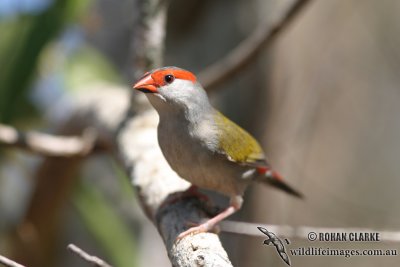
(158, 75)
(184, 75)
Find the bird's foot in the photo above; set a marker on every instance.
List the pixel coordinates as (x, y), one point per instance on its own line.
(196, 229)
(209, 224)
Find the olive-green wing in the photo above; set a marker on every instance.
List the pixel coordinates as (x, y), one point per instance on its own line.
(237, 144)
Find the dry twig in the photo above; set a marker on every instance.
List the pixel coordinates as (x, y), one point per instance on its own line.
(302, 232)
(10, 263)
(240, 56)
(85, 256)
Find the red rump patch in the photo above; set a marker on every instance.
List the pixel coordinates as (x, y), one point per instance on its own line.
(262, 170)
(159, 75)
(271, 174)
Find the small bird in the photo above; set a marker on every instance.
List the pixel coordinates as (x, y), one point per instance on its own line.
(203, 146)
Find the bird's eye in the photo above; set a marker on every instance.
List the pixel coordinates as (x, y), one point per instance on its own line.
(169, 78)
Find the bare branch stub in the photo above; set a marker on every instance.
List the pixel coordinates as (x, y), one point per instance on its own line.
(240, 56)
(10, 263)
(47, 144)
(93, 260)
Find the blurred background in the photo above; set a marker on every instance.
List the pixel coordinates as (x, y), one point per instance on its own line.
(323, 101)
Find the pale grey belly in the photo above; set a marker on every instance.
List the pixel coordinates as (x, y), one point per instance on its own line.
(198, 165)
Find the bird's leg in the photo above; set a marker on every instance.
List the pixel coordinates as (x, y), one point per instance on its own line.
(235, 205)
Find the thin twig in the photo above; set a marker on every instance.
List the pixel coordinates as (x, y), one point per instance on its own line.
(89, 258)
(240, 56)
(10, 263)
(302, 232)
(47, 144)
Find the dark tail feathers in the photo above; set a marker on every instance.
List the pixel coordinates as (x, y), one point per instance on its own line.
(273, 178)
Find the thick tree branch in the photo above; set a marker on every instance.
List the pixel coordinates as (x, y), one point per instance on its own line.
(138, 149)
(240, 56)
(49, 145)
(93, 260)
(155, 181)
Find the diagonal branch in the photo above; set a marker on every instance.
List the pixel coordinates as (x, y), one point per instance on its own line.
(242, 55)
(93, 260)
(302, 232)
(49, 145)
(9, 263)
(155, 181)
(150, 174)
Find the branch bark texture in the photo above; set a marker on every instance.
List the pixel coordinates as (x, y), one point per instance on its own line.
(138, 149)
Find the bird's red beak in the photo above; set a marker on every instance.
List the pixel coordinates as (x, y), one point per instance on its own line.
(146, 85)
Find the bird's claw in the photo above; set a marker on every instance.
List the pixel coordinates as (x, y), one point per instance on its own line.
(192, 231)
(195, 228)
